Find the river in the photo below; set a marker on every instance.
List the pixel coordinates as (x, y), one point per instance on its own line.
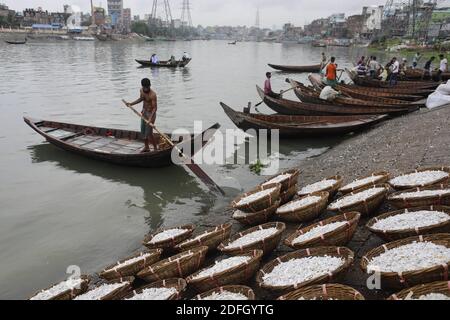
(58, 209)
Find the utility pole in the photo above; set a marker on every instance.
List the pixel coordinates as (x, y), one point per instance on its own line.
(258, 20)
(167, 12)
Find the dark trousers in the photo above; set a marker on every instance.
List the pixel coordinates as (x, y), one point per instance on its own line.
(394, 78)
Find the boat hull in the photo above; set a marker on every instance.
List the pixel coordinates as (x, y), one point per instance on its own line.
(296, 69)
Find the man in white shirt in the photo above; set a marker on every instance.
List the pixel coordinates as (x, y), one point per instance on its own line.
(374, 67)
(443, 67)
(185, 56)
(395, 70)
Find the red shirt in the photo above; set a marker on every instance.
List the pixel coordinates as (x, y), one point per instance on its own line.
(331, 71)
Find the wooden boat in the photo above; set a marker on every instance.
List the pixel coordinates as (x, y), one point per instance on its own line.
(164, 64)
(16, 42)
(302, 126)
(362, 93)
(120, 147)
(296, 69)
(233, 43)
(373, 83)
(289, 107)
(418, 74)
(310, 95)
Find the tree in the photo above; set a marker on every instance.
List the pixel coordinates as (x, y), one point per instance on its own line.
(139, 27)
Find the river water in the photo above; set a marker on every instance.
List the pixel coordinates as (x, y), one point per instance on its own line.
(59, 209)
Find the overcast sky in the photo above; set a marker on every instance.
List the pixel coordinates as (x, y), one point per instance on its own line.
(225, 12)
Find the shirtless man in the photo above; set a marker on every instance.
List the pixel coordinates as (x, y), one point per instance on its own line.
(148, 97)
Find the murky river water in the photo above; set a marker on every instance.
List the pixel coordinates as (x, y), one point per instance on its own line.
(58, 209)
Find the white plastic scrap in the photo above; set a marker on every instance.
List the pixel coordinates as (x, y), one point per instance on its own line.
(299, 204)
(355, 198)
(253, 237)
(362, 182)
(411, 257)
(168, 234)
(101, 291)
(318, 231)
(221, 266)
(256, 196)
(411, 220)
(297, 271)
(419, 178)
(317, 187)
(226, 295)
(155, 294)
(57, 289)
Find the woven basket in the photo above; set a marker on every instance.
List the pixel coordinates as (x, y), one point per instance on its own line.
(267, 245)
(246, 291)
(324, 292)
(212, 239)
(178, 266)
(307, 213)
(178, 284)
(341, 252)
(288, 195)
(338, 237)
(437, 182)
(383, 178)
(365, 207)
(69, 294)
(443, 200)
(237, 275)
(261, 203)
(403, 234)
(169, 244)
(120, 292)
(394, 280)
(112, 272)
(331, 190)
(288, 183)
(416, 292)
(252, 219)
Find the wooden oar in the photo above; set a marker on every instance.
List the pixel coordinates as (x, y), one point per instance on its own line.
(195, 168)
(281, 93)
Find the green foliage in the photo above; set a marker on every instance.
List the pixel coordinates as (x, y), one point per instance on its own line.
(257, 167)
(140, 27)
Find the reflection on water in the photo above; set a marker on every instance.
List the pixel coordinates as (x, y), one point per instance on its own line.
(60, 209)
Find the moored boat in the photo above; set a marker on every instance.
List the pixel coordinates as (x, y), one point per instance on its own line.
(16, 42)
(164, 64)
(116, 146)
(362, 92)
(296, 69)
(373, 83)
(302, 126)
(289, 107)
(310, 95)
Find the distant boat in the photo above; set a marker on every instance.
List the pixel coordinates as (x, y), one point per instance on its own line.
(233, 43)
(164, 64)
(16, 42)
(84, 38)
(319, 44)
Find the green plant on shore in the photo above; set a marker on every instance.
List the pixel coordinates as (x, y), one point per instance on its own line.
(257, 167)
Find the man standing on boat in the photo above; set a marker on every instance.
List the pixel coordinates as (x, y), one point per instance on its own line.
(268, 87)
(395, 70)
(324, 62)
(150, 100)
(331, 73)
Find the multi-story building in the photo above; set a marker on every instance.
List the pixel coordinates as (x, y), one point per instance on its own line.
(115, 11)
(126, 20)
(317, 28)
(99, 16)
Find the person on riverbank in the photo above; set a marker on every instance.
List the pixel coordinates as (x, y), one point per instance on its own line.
(428, 69)
(443, 67)
(331, 73)
(416, 59)
(150, 107)
(268, 87)
(395, 70)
